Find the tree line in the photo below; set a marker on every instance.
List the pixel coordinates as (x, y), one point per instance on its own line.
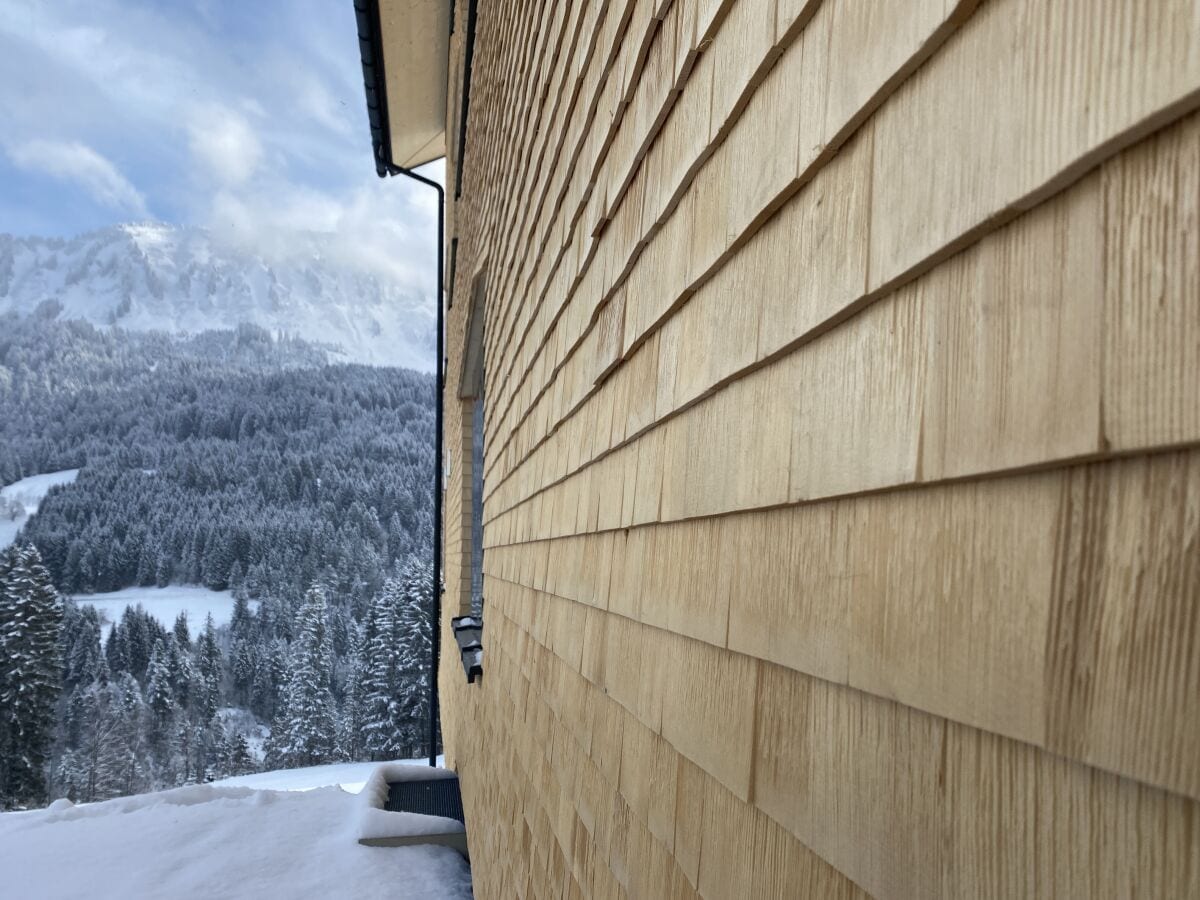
(237, 461)
(142, 711)
(204, 463)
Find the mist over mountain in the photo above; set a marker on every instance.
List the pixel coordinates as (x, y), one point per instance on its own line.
(185, 279)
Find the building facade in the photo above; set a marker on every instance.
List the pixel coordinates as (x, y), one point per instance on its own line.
(822, 426)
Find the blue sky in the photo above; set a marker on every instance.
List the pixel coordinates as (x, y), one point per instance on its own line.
(243, 116)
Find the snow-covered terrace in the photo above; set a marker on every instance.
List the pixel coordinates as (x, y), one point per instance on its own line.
(298, 838)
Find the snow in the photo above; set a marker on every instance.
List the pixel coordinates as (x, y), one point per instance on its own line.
(219, 841)
(29, 493)
(152, 276)
(348, 776)
(377, 823)
(164, 604)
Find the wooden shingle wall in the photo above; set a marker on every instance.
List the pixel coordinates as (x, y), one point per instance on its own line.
(842, 474)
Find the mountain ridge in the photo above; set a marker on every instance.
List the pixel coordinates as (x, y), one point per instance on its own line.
(153, 276)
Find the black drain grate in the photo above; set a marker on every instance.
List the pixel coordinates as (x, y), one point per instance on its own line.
(436, 797)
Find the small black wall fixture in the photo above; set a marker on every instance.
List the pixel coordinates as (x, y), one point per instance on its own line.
(468, 634)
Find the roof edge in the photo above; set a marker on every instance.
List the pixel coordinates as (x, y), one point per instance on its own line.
(370, 48)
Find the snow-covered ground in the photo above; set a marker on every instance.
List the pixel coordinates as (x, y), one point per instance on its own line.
(164, 604)
(348, 776)
(219, 841)
(29, 493)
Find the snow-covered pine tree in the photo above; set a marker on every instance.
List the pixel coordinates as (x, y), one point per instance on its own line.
(180, 630)
(208, 668)
(211, 743)
(129, 712)
(236, 576)
(350, 721)
(269, 688)
(84, 661)
(66, 778)
(31, 659)
(8, 558)
(92, 776)
(116, 650)
(241, 670)
(160, 708)
(309, 723)
(107, 757)
(139, 633)
(238, 760)
(241, 622)
(182, 672)
(275, 747)
(382, 716)
(414, 637)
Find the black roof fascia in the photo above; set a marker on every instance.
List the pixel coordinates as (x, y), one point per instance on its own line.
(370, 48)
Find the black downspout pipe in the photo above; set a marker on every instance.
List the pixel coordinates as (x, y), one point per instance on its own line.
(371, 49)
(436, 637)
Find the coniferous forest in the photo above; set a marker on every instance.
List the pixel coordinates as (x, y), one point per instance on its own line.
(234, 460)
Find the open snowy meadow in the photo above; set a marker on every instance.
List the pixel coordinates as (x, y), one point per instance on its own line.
(164, 604)
(224, 840)
(26, 495)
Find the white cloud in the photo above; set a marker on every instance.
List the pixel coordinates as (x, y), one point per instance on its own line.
(76, 162)
(248, 119)
(385, 228)
(225, 144)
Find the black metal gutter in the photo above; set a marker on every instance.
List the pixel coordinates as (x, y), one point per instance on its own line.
(465, 104)
(371, 49)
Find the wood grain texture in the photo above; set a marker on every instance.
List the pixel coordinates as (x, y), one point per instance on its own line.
(843, 449)
(904, 803)
(1001, 358)
(1152, 291)
(911, 805)
(1048, 607)
(1124, 642)
(1063, 87)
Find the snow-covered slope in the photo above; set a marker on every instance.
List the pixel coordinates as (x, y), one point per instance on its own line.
(154, 276)
(215, 841)
(26, 494)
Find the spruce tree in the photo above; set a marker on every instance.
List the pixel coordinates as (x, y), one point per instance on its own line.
(129, 734)
(208, 667)
(8, 559)
(414, 637)
(180, 630)
(161, 709)
(83, 658)
(309, 724)
(238, 759)
(383, 718)
(92, 758)
(350, 722)
(31, 613)
(116, 650)
(242, 620)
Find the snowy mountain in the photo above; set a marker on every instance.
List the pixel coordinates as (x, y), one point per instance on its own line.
(159, 277)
